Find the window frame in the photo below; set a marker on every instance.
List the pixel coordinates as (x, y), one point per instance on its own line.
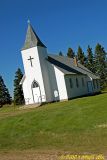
(83, 82)
(94, 83)
(77, 83)
(70, 82)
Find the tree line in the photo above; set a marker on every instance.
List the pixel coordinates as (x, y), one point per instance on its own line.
(5, 97)
(95, 61)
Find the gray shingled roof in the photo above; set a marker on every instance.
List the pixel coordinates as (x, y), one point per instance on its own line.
(32, 40)
(67, 66)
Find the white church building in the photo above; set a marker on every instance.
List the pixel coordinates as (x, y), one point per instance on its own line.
(51, 78)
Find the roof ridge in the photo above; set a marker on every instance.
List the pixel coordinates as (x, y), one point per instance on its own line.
(65, 64)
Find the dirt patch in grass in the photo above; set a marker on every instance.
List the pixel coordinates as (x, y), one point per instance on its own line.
(40, 155)
(29, 155)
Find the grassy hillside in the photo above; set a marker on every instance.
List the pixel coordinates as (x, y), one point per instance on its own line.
(79, 125)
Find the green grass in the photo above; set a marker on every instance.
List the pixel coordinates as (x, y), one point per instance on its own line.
(79, 125)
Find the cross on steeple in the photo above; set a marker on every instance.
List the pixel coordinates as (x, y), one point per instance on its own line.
(30, 59)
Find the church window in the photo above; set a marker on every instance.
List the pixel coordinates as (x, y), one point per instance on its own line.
(34, 85)
(70, 82)
(77, 84)
(97, 81)
(83, 84)
(94, 83)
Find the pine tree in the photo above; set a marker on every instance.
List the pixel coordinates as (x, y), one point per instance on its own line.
(100, 64)
(5, 97)
(70, 53)
(60, 53)
(90, 59)
(18, 93)
(81, 56)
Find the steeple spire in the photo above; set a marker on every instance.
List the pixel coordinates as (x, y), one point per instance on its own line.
(28, 21)
(32, 40)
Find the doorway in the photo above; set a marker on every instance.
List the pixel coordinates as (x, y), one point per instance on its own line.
(90, 87)
(36, 92)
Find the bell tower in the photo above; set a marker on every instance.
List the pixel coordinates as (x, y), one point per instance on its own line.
(34, 56)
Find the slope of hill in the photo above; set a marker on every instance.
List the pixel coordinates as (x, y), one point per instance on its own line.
(79, 125)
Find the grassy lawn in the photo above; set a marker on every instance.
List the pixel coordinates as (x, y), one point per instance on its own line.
(79, 125)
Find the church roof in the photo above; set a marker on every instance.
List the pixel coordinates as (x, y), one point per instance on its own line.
(59, 62)
(32, 40)
(67, 66)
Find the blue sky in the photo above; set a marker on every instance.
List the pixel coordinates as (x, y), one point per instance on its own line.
(59, 24)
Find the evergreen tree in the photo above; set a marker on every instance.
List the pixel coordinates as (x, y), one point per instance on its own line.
(5, 97)
(60, 53)
(100, 64)
(81, 56)
(18, 93)
(90, 59)
(70, 53)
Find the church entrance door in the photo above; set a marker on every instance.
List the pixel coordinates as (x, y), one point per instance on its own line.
(36, 92)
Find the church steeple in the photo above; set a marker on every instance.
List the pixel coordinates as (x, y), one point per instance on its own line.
(32, 40)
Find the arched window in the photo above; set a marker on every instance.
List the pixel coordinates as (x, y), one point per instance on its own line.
(34, 84)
